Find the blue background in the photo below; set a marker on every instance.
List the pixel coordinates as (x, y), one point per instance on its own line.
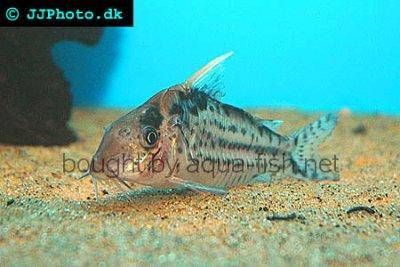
(311, 55)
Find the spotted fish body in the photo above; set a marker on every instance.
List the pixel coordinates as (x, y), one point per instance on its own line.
(225, 135)
(206, 144)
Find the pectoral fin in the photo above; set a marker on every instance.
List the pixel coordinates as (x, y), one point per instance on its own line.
(198, 187)
(262, 178)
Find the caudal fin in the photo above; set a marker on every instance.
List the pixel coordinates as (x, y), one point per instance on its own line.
(306, 142)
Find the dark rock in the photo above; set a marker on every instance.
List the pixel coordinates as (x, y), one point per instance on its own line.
(35, 101)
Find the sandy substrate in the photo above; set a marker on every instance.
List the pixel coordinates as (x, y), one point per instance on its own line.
(48, 217)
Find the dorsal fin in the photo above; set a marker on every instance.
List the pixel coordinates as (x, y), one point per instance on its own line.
(206, 72)
(272, 124)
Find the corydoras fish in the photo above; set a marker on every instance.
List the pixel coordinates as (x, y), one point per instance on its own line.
(185, 137)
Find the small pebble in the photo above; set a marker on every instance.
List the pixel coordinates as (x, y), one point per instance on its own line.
(10, 202)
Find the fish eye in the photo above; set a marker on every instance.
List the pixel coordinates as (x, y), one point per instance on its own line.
(150, 135)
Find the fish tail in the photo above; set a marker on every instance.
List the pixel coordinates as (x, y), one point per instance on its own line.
(305, 159)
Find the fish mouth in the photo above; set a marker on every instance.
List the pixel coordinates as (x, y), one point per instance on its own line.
(108, 166)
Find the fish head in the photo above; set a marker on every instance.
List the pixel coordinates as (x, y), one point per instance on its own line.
(146, 135)
(135, 141)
